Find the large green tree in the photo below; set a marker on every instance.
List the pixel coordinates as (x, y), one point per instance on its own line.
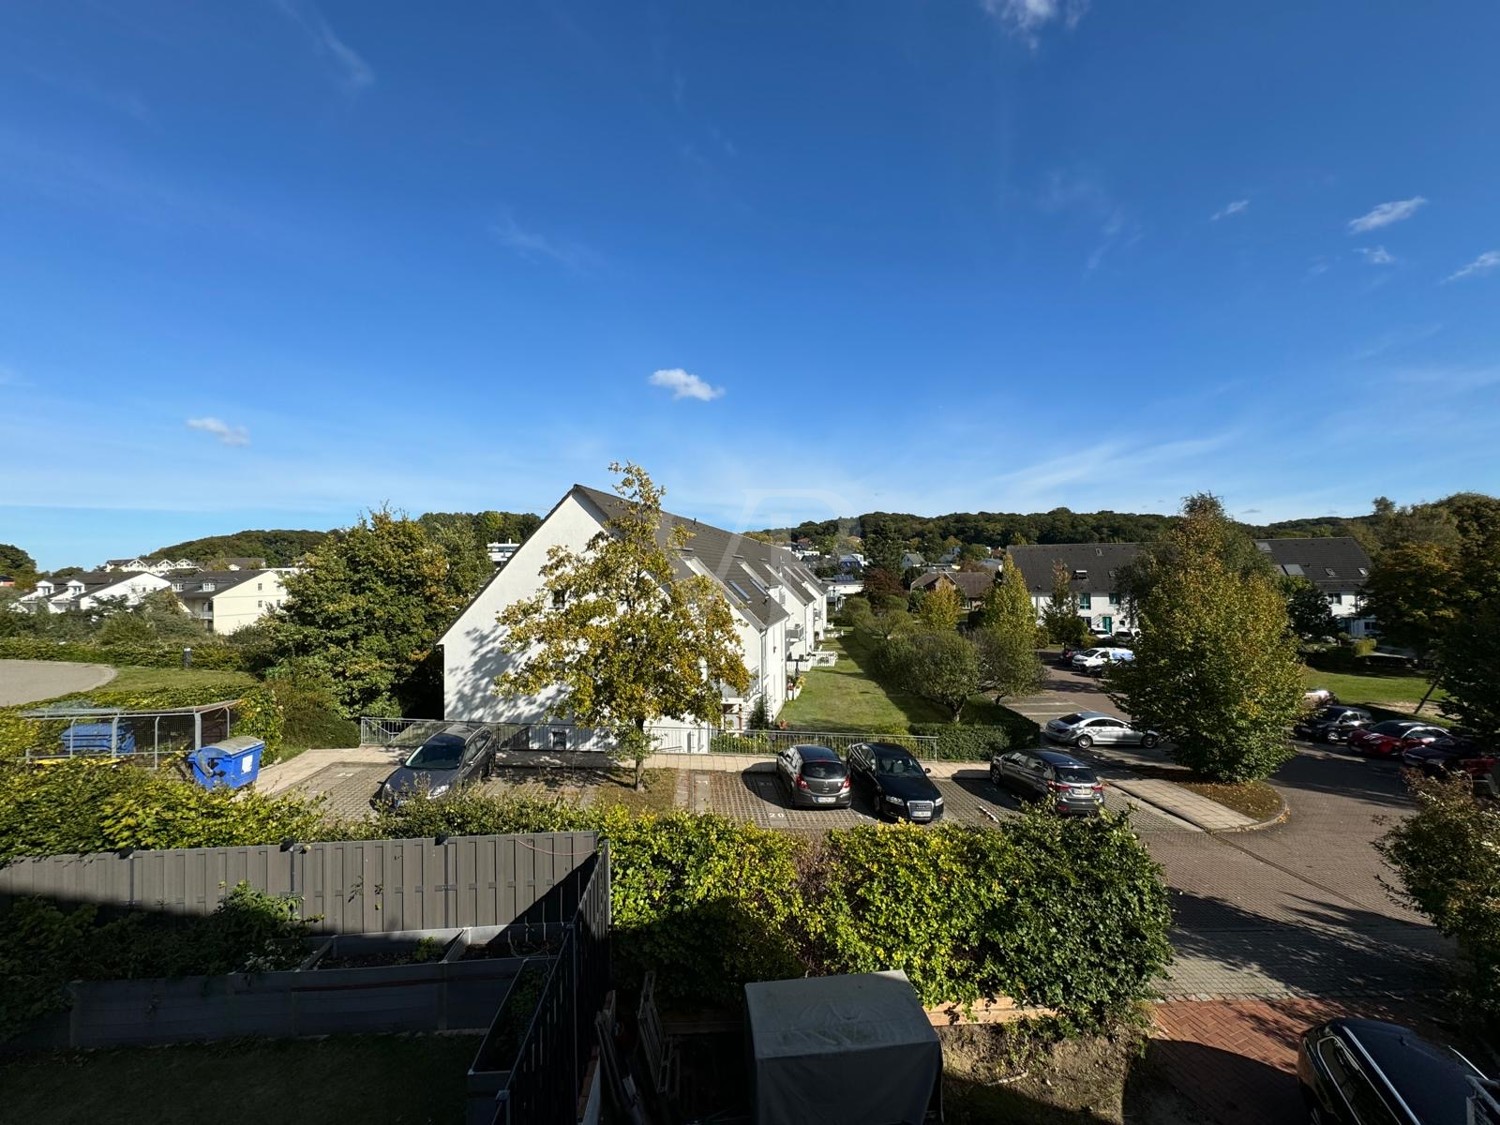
(1469, 654)
(937, 665)
(368, 606)
(620, 640)
(1215, 669)
(1007, 636)
(1307, 609)
(18, 565)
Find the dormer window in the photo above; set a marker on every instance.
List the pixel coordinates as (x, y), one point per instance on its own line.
(1080, 575)
(207, 588)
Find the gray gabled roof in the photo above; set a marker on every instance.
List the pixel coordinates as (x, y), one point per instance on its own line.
(1334, 564)
(972, 584)
(745, 568)
(1099, 560)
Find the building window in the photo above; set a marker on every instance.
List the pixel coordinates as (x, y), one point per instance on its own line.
(559, 738)
(1114, 599)
(257, 587)
(1085, 601)
(559, 599)
(260, 605)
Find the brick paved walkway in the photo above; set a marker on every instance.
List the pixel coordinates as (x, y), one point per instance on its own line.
(1237, 1060)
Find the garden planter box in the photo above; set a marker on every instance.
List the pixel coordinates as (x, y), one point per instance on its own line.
(434, 995)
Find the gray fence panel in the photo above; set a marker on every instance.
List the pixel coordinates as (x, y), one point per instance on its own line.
(349, 886)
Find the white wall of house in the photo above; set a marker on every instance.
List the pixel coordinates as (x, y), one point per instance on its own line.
(474, 655)
(1348, 610)
(1101, 613)
(246, 602)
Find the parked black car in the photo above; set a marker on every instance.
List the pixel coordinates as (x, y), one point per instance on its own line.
(1061, 780)
(450, 758)
(1331, 723)
(1363, 1072)
(814, 776)
(896, 782)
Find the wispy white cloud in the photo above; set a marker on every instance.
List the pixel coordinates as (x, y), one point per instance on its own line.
(1483, 264)
(684, 385)
(1085, 194)
(1026, 18)
(1229, 209)
(1376, 255)
(127, 103)
(1397, 341)
(227, 434)
(355, 74)
(533, 245)
(1387, 213)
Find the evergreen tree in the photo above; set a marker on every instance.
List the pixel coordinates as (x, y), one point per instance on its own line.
(1060, 615)
(940, 609)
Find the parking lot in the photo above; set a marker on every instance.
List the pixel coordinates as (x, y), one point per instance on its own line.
(756, 795)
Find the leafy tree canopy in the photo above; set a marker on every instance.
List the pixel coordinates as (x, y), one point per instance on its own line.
(617, 638)
(1215, 669)
(1307, 609)
(368, 605)
(279, 548)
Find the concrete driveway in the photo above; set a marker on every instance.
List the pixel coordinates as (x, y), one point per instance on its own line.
(28, 681)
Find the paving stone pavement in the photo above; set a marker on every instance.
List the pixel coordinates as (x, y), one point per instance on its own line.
(1237, 1060)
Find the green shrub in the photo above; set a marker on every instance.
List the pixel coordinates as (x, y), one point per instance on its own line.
(708, 902)
(1448, 858)
(1070, 915)
(98, 806)
(961, 742)
(309, 706)
(260, 713)
(727, 743)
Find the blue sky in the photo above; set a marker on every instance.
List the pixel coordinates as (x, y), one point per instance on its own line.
(270, 263)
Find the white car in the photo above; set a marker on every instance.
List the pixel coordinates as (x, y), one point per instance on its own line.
(1088, 728)
(1096, 659)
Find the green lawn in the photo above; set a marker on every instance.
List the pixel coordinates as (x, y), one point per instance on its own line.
(376, 1079)
(1397, 692)
(847, 698)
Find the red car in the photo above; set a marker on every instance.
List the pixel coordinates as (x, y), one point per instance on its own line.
(1390, 738)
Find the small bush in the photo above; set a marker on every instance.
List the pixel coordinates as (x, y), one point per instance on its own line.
(725, 743)
(1448, 858)
(961, 742)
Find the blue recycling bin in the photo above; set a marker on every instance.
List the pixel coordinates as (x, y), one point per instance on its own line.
(98, 738)
(232, 763)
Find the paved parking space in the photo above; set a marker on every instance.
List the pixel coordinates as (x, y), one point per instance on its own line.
(1064, 692)
(347, 787)
(968, 798)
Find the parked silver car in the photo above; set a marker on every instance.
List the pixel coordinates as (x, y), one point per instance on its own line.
(1088, 728)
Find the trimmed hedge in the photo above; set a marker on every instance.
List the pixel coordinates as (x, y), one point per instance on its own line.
(961, 742)
(1068, 914)
(213, 655)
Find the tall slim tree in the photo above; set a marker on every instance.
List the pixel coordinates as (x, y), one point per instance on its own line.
(1060, 615)
(1215, 669)
(940, 609)
(1307, 609)
(624, 641)
(1007, 637)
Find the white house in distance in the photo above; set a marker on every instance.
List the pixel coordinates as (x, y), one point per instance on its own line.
(1091, 570)
(90, 590)
(226, 600)
(1336, 564)
(779, 611)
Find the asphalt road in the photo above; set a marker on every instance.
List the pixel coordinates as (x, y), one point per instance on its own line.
(26, 681)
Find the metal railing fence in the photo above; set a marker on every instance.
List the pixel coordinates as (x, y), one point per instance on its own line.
(543, 1086)
(669, 739)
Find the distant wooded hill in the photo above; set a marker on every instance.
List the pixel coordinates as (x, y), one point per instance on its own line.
(281, 547)
(1061, 525)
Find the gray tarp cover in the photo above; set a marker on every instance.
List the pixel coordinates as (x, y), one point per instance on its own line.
(853, 1050)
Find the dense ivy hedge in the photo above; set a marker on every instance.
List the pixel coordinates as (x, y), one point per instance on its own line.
(212, 655)
(1069, 914)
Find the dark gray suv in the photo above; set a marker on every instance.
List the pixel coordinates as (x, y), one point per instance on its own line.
(1060, 780)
